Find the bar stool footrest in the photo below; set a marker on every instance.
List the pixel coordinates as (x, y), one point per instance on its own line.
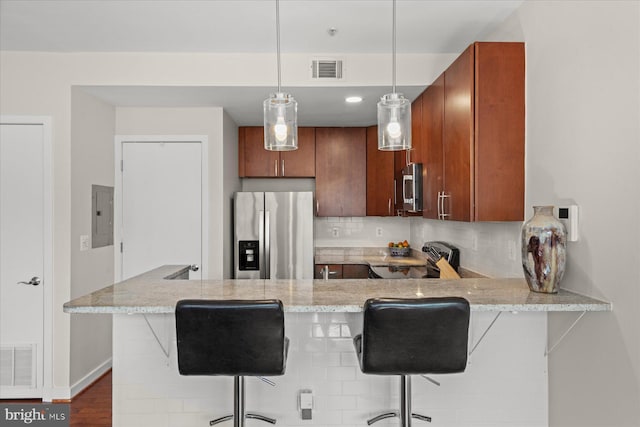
(261, 418)
(381, 417)
(421, 417)
(220, 420)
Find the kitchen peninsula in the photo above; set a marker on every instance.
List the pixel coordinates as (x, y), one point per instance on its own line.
(505, 382)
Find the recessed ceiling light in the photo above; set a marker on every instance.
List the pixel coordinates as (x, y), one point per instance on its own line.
(353, 99)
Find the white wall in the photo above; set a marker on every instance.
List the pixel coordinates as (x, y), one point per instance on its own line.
(583, 147)
(195, 121)
(231, 184)
(92, 132)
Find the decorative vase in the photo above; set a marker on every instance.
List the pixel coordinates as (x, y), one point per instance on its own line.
(544, 251)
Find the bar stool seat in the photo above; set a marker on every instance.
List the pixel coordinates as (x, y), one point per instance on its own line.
(412, 336)
(235, 338)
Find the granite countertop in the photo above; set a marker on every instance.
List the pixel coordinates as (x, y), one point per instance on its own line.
(368, 256)
(153, 292)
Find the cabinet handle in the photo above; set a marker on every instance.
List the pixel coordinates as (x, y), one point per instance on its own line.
(442, 212)
(317, 207)
(275, 169)
(282, 167)
(389, 206)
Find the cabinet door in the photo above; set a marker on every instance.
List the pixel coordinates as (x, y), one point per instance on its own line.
(499, 131)
(341, 171)
(355, 271)
(255, 160)
(335, 271)
(458, 137)
(432, 120)
(380, 177)
(300, 163)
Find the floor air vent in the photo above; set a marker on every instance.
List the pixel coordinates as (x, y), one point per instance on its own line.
(326, 69)
(17, 366)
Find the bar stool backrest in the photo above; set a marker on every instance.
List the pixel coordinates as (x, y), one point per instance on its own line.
(232, 337)
(415, 336)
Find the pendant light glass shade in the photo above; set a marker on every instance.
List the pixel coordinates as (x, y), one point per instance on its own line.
(394, 123)
(280, 123)
(280, 111)
(394, 111)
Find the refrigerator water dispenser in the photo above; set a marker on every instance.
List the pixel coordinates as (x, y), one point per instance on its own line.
(248, 255)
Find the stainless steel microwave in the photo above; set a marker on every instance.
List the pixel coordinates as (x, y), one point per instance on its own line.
(412, 187)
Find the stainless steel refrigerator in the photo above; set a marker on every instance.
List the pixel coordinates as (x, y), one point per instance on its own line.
(273, 235)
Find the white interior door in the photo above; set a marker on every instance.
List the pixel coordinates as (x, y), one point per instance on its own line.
(161, 205)
(22, 214)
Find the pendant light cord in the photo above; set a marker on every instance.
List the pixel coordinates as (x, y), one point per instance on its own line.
(393, 88)
(278, 39)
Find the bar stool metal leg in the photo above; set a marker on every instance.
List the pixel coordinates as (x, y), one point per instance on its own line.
(405, 401)
(238, 401)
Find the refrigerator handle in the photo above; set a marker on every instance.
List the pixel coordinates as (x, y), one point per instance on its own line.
(261, 252)
(267, 247)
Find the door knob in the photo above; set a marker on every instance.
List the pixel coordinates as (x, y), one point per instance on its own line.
(35, 281)
(194, 267)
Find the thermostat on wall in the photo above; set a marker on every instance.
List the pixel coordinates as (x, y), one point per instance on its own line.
(568, 215)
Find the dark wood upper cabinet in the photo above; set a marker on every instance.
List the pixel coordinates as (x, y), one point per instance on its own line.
(341, 171)
(476, 110)
(256, 162)
(432, 167)
(380, 177)
(458, 147)
(300, 163)
(253, 159)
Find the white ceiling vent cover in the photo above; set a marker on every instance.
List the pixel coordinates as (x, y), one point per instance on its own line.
(326, 69)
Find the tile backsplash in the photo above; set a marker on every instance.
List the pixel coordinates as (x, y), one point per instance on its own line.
(490, 248)
(361, 231)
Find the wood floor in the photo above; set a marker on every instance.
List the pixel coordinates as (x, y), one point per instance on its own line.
(92, 407)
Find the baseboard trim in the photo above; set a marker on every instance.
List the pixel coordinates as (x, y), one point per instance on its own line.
(91, 377)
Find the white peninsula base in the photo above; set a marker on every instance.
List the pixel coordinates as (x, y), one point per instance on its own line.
(505, 383)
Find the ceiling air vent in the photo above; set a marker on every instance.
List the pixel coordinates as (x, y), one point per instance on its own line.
(326, 69)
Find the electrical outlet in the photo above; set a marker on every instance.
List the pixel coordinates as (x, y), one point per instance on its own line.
(334, 232)
(305, 403)
(378, 231)
(84, 242)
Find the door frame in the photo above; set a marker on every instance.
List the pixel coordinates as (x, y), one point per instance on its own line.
(203, 140)
(47, 273)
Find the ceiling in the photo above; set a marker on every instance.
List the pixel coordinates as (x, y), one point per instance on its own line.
(248, 26)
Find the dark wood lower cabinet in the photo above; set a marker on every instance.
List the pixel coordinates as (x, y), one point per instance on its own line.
(355, 271)
(342, 271)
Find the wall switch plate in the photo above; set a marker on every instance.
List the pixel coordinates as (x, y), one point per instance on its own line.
(568, 215)
(84, 242)
(378, 231)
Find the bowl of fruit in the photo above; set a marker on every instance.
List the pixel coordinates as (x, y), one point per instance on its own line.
(399, 248)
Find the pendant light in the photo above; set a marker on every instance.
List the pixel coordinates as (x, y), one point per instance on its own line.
(280, 112)
(394, 112)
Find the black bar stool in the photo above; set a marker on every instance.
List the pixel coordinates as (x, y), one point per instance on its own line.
(412, 336)
(235, 338)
